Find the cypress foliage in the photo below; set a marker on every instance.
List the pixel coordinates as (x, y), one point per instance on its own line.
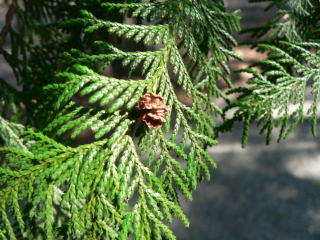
(126, 183)
(276, 94)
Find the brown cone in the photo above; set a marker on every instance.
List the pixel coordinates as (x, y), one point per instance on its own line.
(153, 110)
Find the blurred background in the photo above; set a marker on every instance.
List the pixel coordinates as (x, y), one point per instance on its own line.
(258, 193)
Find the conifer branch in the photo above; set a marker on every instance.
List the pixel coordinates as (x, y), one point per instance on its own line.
(126, 183)
(281, 87)
(276, 94)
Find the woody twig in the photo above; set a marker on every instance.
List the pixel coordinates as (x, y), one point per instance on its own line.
(7, 25)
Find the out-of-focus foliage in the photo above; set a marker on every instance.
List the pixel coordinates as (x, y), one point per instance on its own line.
(276, 93)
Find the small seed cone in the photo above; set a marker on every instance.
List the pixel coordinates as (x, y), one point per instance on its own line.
(153, 110)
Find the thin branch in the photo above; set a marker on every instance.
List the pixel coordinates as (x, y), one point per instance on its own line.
(5, 29)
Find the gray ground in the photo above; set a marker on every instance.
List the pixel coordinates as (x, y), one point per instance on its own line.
(262, 192)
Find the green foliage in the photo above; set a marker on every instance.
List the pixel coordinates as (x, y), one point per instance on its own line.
(296, 20)
(127, 182)
(288, 71)
(79, 73)
(85, 186)
(9, 101)
(277, 91)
